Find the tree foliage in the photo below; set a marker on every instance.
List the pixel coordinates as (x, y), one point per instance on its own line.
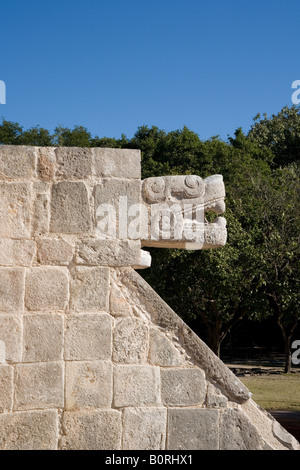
(280, 134)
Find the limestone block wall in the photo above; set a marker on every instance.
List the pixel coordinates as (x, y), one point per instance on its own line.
(90, 356)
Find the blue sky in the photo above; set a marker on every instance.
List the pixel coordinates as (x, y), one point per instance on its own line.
(112, 66)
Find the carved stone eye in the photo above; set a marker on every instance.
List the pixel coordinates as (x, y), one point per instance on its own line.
(154, 189)
(194, 186)
(191, 181)
(158, 185)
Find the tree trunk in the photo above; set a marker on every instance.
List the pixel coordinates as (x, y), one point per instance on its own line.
(214, 339)
(287, 332)
(288, 355)
(214, 334)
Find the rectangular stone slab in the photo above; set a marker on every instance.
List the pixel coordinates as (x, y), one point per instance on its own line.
(70, 209)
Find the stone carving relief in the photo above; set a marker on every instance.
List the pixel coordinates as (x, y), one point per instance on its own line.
(176, 207)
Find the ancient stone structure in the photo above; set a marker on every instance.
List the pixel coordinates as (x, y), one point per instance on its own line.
(90, 356)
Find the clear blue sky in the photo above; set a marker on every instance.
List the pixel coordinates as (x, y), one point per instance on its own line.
(114, 65)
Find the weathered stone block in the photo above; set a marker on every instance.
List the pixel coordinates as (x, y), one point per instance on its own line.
(131, 341)
(17, 161)
(144, 428)
(42, 338)
(237, 432)
(70, 210)
(15, 208)
(183, 387)
(39, 385)
(162, 352)
(6, 388)
(12, 290)
(41, 215)
(16, 252)
(34, 430)
(215, 398)
(91, 430)
(88, 384)
(117, 163)
(193, 429)
(136, 386)
(119, 307)
(89, 289)
(47, 289)
(88, 337)
(74, 162)
(54, 251)
(11, 337)
(46, 163)
(2, 352)
(42, 187)
(108, 252)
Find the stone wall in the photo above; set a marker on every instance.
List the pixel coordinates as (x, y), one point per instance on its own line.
(90, 356)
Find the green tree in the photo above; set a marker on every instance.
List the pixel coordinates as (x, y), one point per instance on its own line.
(110, 142)
(79, 136)
(10, 132)
(280, 134)
(280, 245)
(36, 136)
